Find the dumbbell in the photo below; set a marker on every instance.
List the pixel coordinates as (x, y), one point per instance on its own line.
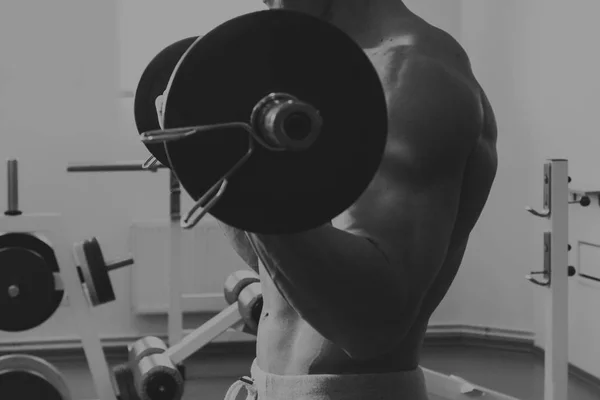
(94, 271)
(244, 288)
(155, 377)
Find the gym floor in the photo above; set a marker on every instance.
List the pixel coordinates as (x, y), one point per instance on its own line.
(211, 372)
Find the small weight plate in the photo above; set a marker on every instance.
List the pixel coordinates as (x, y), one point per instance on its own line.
(26, 290)
(18, 319)
(24, 377)
(152, 84)
(157, 378)
(221, 78)
(124, 382)
(95, 274)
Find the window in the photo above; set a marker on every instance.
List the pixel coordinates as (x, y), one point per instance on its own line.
(148, 26)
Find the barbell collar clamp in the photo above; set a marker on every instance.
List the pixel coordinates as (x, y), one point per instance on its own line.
(279, 122)
(216, 192)
(151, 164)
(286, 122)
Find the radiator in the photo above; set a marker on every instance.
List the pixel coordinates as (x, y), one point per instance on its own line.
(207, 260)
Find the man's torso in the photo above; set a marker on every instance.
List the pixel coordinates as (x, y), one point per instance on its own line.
(287, 344)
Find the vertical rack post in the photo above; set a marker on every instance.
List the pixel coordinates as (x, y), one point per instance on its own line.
(556, 278)
(557, 297)
(175, 312)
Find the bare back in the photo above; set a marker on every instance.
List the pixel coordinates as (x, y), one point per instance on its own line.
(289, 345)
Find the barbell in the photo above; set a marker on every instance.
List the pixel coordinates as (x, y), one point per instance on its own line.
(274, 122)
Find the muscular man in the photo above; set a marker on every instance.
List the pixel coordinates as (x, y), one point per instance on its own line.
(350, 302)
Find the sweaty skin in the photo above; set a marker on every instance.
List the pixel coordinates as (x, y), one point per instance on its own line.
(356, 297)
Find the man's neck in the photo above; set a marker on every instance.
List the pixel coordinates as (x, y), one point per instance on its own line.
(368, 22)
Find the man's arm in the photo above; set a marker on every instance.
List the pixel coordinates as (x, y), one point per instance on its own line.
(362, 287)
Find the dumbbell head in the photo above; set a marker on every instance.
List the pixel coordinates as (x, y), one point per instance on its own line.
(157, 378)
(236, 282)
(250, 302)
(144, 347)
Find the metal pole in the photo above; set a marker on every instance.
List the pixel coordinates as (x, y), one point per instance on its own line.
(13, 188)
(557, 317)
(174, 198)
(116, 167)
(175, 314)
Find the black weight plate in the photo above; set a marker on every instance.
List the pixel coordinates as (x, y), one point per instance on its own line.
(182, 370)
(24, 385)
(37, 245)
(26, 290)
(152, 84)
(227, 72)
(162, 386)
(99, 283)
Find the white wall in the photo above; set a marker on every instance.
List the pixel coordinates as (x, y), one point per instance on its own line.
(58, 80)
(538, 61)
(490, 286)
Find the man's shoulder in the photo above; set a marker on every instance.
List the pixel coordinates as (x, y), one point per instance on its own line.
(434, 109)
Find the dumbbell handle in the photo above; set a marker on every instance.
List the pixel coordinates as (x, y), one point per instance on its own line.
(205, 334)
(119, 264)
(109, 267)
